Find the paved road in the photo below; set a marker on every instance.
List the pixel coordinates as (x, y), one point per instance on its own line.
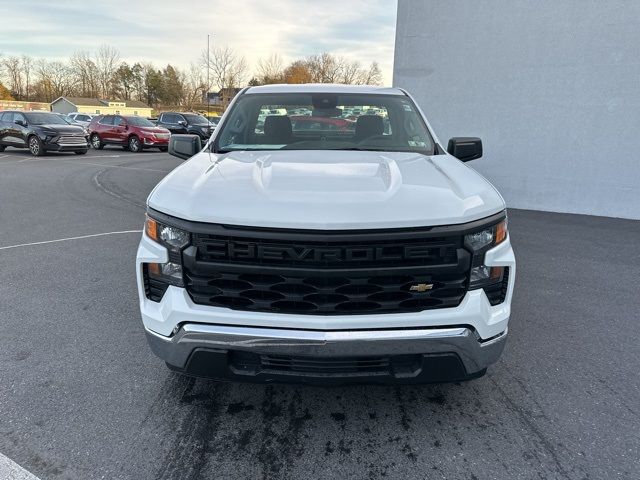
(82, 397)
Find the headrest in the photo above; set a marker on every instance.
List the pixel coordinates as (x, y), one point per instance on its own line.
(369, 125)
(278, 127)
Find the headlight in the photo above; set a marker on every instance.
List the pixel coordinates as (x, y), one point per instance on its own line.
(175, 240)
(479, 242)
(171, 237)
(489, 237)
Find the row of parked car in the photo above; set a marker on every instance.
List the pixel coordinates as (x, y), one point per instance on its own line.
(41, 132)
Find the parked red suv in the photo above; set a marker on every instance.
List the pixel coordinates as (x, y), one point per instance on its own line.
(132, 133)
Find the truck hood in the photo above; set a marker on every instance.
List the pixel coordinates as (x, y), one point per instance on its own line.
(325, 190)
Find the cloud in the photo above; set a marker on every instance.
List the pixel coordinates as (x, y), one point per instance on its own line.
(165, 32)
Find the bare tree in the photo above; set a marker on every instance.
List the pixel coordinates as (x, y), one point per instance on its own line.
(13, 73)
(107, 60)
(271, 69)
(27, 67)
(373, 76)
(350, 72)
(54, 80)
(328, 68)
(194, 86)
(227, 69)
(85, 74)
(325, 68)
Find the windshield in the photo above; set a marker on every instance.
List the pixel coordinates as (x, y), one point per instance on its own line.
(139, 122)
(42, 118)
(193, 119)
(324, 121)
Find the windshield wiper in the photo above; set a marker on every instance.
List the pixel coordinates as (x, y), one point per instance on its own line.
(362, 149)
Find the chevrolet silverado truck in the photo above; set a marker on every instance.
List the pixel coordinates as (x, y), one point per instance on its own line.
(367, 254)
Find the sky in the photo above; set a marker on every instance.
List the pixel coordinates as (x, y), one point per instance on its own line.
(166, 31)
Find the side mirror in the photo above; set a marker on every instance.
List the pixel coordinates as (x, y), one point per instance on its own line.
(184, 146)
(22, 123)
(465, 149)
(182, 122)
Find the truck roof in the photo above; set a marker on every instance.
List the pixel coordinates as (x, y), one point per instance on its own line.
(324, 88)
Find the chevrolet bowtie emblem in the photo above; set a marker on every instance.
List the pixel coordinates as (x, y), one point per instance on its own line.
(421, 287)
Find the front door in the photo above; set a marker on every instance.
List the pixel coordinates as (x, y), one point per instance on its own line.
(19, 132)
(119, 130)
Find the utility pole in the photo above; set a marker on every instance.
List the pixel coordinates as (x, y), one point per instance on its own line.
(208, 70)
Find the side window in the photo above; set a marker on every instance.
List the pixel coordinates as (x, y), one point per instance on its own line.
(119, 121)
(106, 120)
(19, 116)
(7, 117)
(169, 118)
(180, 118)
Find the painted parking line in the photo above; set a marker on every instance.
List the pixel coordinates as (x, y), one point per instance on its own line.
(116, 166)
(10, 470)
(23, 158)
(68, 239)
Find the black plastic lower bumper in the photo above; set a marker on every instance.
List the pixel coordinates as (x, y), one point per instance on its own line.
(241, 366)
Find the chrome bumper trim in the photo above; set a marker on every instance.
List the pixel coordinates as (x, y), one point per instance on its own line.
(463, 341)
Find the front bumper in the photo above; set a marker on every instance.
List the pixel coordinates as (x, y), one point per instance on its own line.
(447, 344)
(155, 142)
(378, 356)
(62, 147)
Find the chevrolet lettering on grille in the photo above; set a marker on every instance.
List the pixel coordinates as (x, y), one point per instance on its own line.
(285, 253)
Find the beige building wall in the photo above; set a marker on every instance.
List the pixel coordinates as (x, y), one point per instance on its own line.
(115, 109)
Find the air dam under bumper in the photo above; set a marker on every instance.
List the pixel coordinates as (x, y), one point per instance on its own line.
(303, 356)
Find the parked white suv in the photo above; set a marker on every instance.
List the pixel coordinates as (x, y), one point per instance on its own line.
(347, 251)
(83, 119)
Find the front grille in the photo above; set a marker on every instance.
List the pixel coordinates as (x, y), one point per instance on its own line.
(285, 364)
(324, 273)
(72, 140)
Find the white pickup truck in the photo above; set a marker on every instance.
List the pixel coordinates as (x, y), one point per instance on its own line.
(337, 247)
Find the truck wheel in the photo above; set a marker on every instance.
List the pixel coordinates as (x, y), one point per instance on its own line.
(134, 145)
(36, 147)
(96, 142)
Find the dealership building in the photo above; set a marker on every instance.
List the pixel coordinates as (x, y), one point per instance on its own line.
(552, 88)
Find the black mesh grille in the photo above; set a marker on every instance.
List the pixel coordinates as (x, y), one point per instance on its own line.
(285, 364)
(327, 274)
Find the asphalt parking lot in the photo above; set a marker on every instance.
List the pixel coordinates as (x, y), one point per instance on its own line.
(82, 397)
